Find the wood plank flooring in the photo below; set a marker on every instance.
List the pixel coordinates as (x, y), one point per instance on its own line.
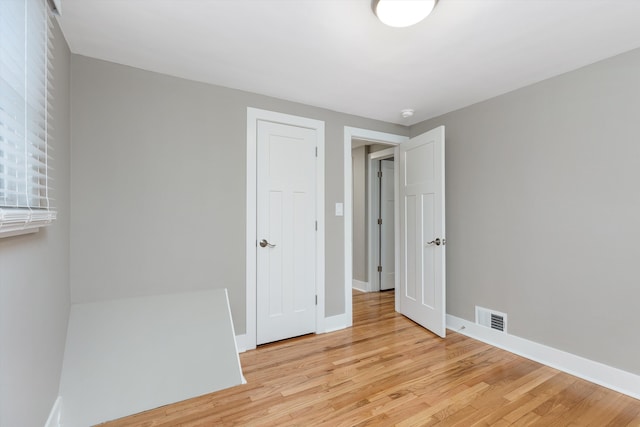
(388, 371)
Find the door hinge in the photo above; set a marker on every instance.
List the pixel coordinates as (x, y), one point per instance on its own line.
(379, 221)
(379, 269)
(379, 174)
(316, 299)
(316, 225)
(316, 151)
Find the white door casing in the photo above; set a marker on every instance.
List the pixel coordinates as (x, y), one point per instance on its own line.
(422, 230)
(263, 121)
(387, 238)
(351, 133)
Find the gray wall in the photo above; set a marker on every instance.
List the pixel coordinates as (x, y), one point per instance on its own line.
(359, 209)
(34, 285)
(543, 210)
(158, 191)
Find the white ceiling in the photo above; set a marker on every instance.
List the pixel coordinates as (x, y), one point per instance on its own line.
(336, 54)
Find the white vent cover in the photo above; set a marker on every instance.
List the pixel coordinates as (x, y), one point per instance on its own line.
(491, 319)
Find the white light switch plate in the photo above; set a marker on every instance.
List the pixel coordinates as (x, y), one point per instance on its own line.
(339, 209)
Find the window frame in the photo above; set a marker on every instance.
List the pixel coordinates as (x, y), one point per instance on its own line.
(25, 85)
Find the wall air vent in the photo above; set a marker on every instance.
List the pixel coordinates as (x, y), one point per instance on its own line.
(491, 319)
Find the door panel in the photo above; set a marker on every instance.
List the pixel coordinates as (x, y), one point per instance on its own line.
(412, 272)
(285, 286)
(275, 282)
(428, 230)
(422, 257)
(299, 251)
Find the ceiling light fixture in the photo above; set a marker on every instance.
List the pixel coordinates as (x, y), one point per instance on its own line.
(402, 13)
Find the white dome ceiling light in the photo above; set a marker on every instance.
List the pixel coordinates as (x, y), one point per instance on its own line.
(402, 13)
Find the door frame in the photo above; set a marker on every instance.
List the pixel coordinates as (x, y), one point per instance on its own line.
(351, 133)
(249, 341)
(373, 193)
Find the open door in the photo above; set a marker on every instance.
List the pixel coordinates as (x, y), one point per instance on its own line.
(387, 252)
(422, 230)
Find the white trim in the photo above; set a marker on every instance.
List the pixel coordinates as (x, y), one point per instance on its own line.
(4, 234)
(396, 226)
(383, 154)
(253, 115)
(335, 323)
(55, 415)
(376, 137)
(361, 286)
(320, 245)
(17, 221)
(595, 372)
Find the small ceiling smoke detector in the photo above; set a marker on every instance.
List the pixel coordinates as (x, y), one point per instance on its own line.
(407, 112)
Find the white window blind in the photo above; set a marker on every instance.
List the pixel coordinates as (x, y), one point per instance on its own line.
(25, 70)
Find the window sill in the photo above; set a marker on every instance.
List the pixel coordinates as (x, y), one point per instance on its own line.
(14, 222)
(7, 233)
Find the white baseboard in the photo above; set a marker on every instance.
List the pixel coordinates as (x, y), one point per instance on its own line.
(56, 414)
(331, 324)
(335, 323)
(241, 343)
(595, 372)
(361, 286)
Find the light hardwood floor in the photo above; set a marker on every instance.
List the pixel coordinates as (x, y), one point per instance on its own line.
(387, 371)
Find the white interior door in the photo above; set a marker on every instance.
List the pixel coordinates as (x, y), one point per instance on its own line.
(422, 230)
(387, 238)
(286, 231)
